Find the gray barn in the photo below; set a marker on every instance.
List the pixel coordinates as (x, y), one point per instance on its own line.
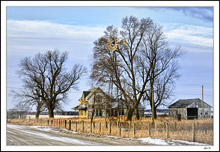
(189, 109)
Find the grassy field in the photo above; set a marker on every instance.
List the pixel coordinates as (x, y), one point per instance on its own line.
(164, 127)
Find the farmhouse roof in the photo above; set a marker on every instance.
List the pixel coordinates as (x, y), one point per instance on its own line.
(80, 107)
(86, 93)
(183, 103)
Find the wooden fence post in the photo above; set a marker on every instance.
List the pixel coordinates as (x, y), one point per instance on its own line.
(76, 127)
(90, 127)
(120, 129)
(134, 129)
(83, 126)
(167, 131)
(165, 126)
(100, 125)
(149, 133)
(69, 124)
(106, 124)
(110, 128)
(193, 132)
(175, 125)
(65, 123)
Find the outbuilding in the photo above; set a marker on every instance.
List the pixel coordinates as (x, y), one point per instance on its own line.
(190, 109)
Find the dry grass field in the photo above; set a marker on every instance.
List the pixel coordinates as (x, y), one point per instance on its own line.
(164, 127)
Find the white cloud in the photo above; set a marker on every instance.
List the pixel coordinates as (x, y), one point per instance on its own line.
(44, 29)
(197, 35)
(26, 38)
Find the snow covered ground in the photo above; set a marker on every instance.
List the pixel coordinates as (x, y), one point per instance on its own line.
(23, 130)
(172, 142)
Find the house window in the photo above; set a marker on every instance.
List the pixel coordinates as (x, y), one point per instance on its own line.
(98, 112)
(98, 99)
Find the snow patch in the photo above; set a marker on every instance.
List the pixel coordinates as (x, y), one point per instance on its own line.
(41, 128)
(15, 126)
(153, 141)
(190, 143)
(172, 142)
(10, 140)
(11, 132)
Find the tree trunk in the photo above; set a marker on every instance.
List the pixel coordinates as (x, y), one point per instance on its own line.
(50, 112)
(136, 112)
(155, 112)
(37, 114)
(129, 114)
(38, 111)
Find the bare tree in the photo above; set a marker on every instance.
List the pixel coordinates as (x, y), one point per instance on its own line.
(119, 67)
(48, 79)
(131, 67)
(163, 69)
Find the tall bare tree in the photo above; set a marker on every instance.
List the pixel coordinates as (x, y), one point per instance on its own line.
(131, 67)
(50, 79)
(163, 69)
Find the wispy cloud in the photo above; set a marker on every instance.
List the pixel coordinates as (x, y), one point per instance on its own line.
(197, 35)
(203, 13)
(25, 37)
(44, 29)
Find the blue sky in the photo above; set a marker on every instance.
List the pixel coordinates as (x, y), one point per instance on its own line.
(74, 29)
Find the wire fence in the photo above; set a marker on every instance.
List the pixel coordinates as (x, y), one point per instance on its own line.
(163, 128)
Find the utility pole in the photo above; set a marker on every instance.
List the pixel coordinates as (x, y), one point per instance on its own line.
(202, 104)
(152, 100)
(152, 90)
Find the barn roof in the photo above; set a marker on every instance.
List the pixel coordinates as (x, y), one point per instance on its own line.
(183, 103)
